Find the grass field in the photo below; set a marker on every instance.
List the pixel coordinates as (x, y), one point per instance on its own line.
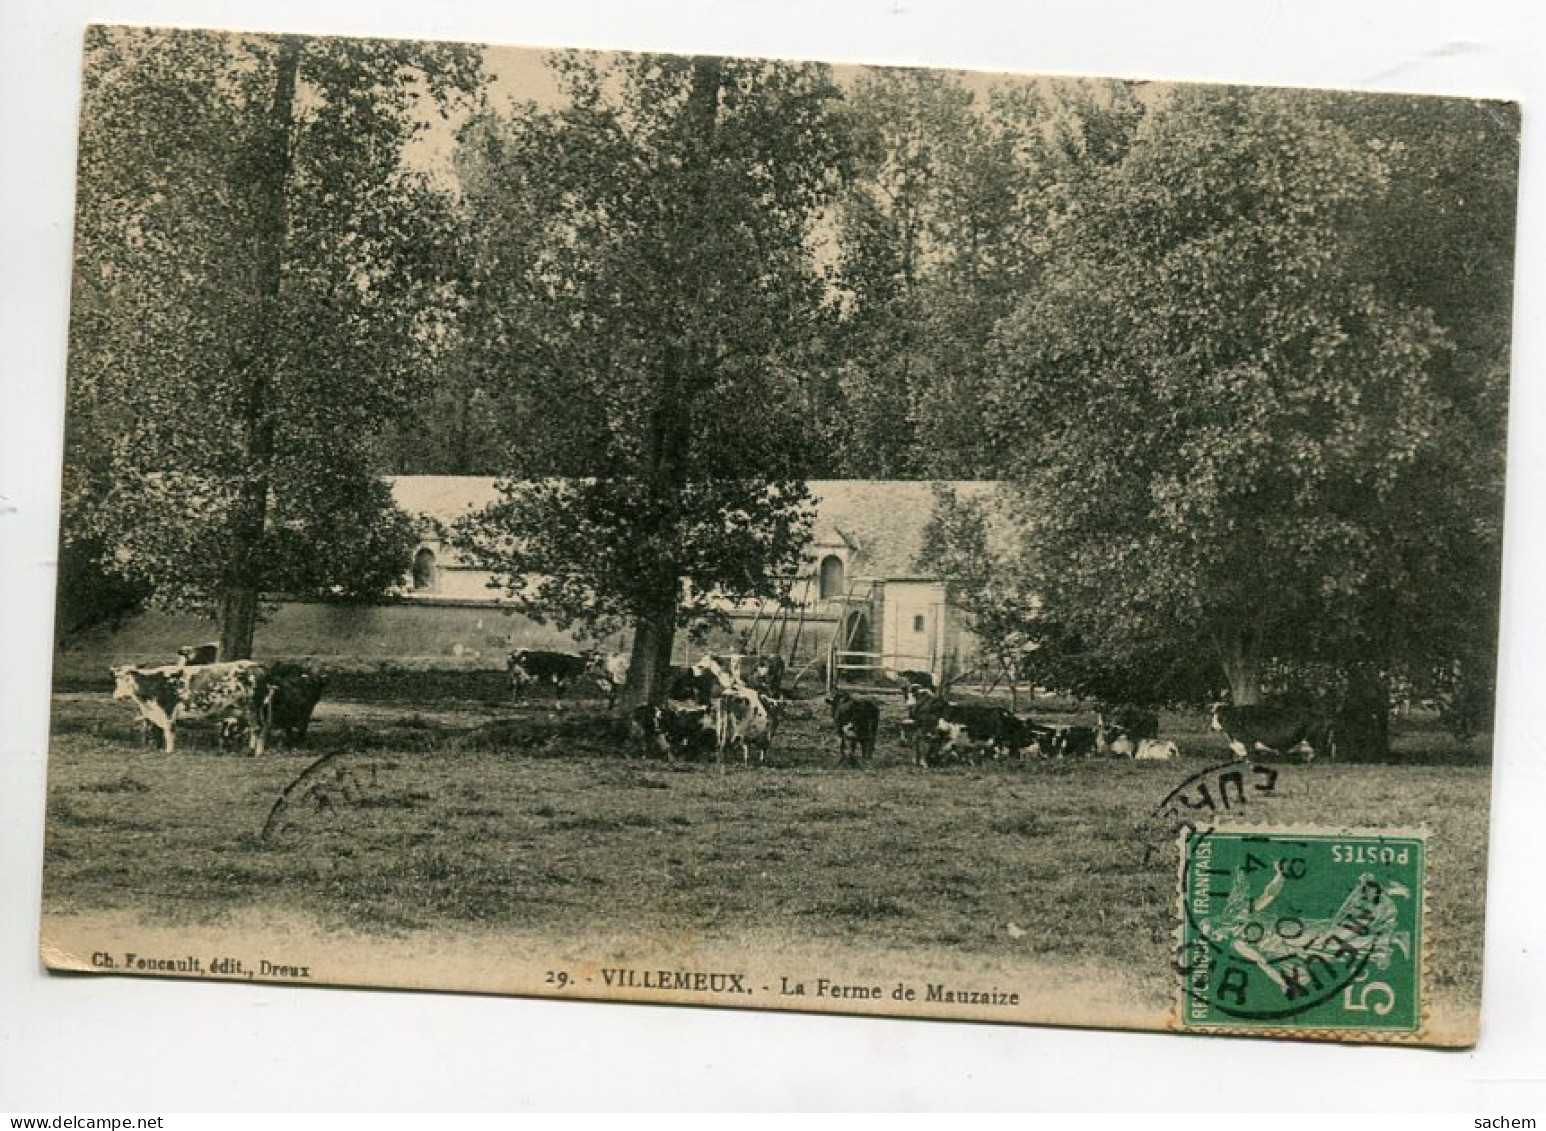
(447, 812)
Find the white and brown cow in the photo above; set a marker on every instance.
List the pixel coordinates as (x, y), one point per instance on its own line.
(239, 690)
(610, 671)
(1156, 750)
(741, 718)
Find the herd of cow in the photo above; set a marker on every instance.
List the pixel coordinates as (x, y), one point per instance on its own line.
(717, 706)
(251, 701)
(720, 706)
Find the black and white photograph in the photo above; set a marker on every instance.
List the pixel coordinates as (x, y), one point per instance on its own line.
(780, 534)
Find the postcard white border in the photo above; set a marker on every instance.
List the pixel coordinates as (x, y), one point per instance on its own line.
(92, 1044)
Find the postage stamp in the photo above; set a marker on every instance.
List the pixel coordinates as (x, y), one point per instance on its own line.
(1299, 930)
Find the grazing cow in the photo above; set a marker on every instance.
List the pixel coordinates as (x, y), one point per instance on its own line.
(1153, 750)
(529, 668)
(192, 654)
(1273, 729)
(857, 721)
(238, 690)
(610, 671)
(296, 690)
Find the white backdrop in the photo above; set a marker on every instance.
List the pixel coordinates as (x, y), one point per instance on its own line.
(115, 1044)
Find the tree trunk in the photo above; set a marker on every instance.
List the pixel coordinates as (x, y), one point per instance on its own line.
(684, 373)
(649, 667)
(1241, 666)
(1364, 724)
(244, 571)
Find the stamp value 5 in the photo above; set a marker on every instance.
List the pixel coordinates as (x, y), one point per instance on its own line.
(1301, 930)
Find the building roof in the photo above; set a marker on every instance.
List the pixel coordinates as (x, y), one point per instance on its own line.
(881, 521)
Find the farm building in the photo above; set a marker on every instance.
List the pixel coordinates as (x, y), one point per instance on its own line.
(859, 603)
(859, 592)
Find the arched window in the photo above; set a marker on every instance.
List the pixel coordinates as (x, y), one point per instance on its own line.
(832, 580)
(424, 569)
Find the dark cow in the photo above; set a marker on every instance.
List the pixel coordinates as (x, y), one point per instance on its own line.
(1075, 741)
(239, 690)
(1119, 731)
(1273, 729)
(296, 690)
(200, 654)
(690, 685)
(767, 676)
(941, 727)
(857, 722)
(912, 683)
(529, 668)
(1028, 738)
(1137, 723)
(668, 731)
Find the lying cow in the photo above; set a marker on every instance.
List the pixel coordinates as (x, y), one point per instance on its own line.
(857, 722)
(1154, 750)
(667, 731)
(1273, 730)
(1137, 723)
(943, 728)
(529, 668)
(239, 690)
(1027, 738)
(1075, 742)
(1112, 741)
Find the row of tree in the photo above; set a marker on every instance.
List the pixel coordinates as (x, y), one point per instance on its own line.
(1239, 357)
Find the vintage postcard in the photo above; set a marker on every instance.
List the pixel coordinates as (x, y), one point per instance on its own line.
(781, 535)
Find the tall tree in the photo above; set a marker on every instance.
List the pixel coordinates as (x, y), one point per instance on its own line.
(939, 234)
(1227, 423)
(646, 288)
(259, 278)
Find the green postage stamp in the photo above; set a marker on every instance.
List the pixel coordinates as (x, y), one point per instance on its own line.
(1301, 930)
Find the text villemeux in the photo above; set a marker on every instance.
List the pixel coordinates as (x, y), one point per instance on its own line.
(692, 981)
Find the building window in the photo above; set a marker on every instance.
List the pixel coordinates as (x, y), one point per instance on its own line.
(918, 623)
(832, 580)
(424, 569)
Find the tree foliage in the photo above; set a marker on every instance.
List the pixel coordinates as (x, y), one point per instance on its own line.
(646, 292)
(259, 281)
(1236, 436)
(938, 235)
